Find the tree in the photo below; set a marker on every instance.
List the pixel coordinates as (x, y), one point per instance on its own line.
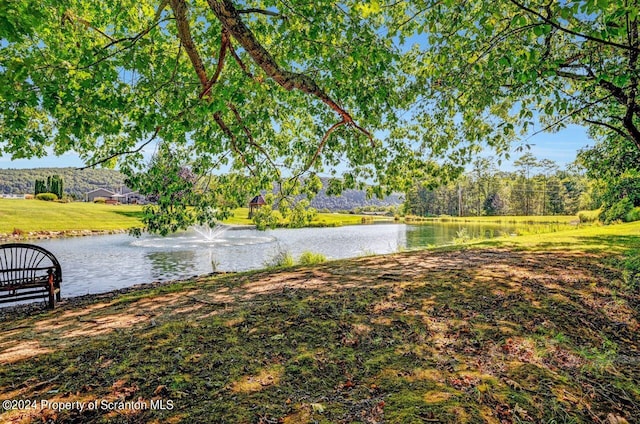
(53, 185)
(40, 187)
(548, 166)
(615, 167)
(281, 90)
(497, 66)
(268, 90)
(493, 204)
(526, 163)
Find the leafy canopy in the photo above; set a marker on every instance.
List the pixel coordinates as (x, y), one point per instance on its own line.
(501, 66)
(257, 91)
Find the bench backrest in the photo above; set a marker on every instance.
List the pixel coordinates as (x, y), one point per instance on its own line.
(21, 262)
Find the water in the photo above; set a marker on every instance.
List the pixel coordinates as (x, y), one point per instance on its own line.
(103, 263)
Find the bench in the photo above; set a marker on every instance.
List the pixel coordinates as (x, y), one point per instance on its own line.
(29, 272)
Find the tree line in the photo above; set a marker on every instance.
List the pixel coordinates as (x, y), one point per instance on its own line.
(604, 177)
(535, 187)
(53, 185)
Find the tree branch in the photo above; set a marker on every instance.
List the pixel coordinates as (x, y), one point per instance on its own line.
(232, 50)
(69, 16)
(569, 115)
(250, 136)
(569, 31)
(323, 141)
(230, 19)
(262, 12)
(232, 139)
(135, 38)
(573, 76)
(224, 46)
(611, 127)
(184, 32)
(130, 152)
(498, 38)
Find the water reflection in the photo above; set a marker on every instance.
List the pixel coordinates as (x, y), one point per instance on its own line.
(164, 265)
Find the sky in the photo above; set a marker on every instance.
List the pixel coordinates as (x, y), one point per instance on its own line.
(560, 147)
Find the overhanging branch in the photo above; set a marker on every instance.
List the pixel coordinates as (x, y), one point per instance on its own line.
(569, 31)
(569, 115)
(184, 32)
(261, 12)
(230, 19)
(611, 127)
(129, 152)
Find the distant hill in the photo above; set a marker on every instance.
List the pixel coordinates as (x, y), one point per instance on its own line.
(78, 182)
(351, 199)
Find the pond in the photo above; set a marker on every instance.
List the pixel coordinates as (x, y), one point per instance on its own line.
(104, 263)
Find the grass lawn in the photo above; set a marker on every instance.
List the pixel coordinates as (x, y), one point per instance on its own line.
(37, 215)
(241, 217)
(520, 330)
(509, 219)
(24, 216)
(596, 238)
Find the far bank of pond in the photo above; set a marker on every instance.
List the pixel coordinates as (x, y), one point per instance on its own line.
(109, 262)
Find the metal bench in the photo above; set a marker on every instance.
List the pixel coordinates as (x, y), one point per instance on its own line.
(28, 272)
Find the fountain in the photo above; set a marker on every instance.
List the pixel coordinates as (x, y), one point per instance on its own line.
(210, 233)
(218, 236)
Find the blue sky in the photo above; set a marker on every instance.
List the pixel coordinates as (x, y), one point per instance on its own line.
(560, 147)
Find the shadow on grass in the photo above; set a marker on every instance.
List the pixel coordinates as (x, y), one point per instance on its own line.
(592, 244)
(130, 214)
(453, 336)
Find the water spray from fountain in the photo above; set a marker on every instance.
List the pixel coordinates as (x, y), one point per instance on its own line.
(210, 233)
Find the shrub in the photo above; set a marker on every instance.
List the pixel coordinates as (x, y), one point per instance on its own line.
(633, 215)
(586, 217)
(281, 259)
(310, 258)
(48, 197)
(617, 211)
(101, 200)
(462, 236)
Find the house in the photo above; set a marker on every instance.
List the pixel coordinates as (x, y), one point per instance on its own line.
(135, 198)
(102, 193)
(124, 195)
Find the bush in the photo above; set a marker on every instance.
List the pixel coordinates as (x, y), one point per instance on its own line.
(100, 200)
(281, 259)
(310, 258)
(586, 217)
(633, 215)
(618, 211)
(48, 197)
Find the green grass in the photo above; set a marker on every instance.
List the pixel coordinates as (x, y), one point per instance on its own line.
(241, 217)
(510, 219)
(38, 215)
(26, 216)
(618, 238)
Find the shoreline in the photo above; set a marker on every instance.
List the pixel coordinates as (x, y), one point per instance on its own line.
(22, 310)
(46, 235)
